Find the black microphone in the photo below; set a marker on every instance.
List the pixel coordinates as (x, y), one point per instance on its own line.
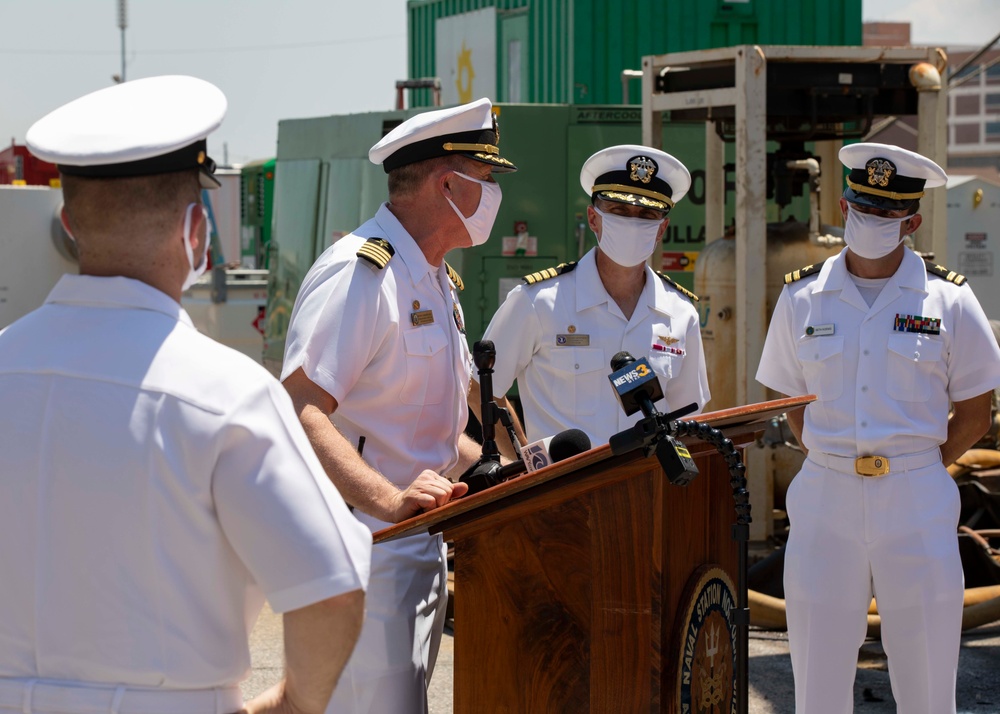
(568, 443)
(561, 446)
(636, 385)
(484, 355)
(485, 474)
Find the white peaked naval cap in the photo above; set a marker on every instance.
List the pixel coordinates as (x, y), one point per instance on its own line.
(637, 175)
(139, 128)
(888, 177)
(469, 129)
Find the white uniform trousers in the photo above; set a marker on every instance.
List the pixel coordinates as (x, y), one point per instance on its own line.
(894, 537)
(405, 610)
(39, 696)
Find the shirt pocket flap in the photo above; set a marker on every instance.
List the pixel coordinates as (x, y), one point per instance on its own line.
(425, 341)
(819, 349)
(579, 359)
(915, 347)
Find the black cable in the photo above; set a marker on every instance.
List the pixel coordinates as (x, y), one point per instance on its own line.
(740, 533)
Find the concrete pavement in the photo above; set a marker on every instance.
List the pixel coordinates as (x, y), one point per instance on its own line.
(770, 672)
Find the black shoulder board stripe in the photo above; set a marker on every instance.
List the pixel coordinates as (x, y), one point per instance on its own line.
(549, 273)
(454, 276)
(377, 251)
(802, 273)
(942, 272)
(682, 290)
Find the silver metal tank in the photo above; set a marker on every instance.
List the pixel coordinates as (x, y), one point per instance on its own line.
(788, 248)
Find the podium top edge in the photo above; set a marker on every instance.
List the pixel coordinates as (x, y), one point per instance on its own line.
(728, 419)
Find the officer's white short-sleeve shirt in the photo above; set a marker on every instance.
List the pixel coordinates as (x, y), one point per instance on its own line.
(557, 338)
(881, 388)
(389, 345)
(155, 486)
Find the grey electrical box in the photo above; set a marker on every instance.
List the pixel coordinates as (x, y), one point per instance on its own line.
(974, 237)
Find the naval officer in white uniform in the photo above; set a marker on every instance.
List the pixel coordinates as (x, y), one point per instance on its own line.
(155, 486)
(886, 342)
(378, 367)
(556, 333)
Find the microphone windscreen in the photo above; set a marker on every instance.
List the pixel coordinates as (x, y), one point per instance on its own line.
(484, 355)
(568, 443)
(620, 360)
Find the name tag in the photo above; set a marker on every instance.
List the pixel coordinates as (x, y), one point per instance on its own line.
(820, 330)
(421, 317)
(573, 340)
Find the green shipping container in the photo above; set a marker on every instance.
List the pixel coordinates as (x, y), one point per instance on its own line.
(566, 51)
(256, 202)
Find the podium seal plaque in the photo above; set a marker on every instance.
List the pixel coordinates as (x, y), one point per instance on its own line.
(705, 645)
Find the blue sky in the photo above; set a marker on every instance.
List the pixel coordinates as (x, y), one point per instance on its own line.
(296, 58)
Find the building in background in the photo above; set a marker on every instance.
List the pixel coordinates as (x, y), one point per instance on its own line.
(973, 105)
(974, 114)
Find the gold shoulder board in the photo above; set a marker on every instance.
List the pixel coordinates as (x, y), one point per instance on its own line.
(682, 290)
(549, 273)
(802, 273)
(942, 272)
(454, 277)
(377, 251)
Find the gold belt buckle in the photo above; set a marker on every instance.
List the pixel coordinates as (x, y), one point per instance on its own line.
(871, 466)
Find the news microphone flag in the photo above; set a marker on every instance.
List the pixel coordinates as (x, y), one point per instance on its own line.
(631, 378)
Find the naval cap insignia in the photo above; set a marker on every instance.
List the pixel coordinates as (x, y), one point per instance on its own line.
(642, 168)
(880, 172)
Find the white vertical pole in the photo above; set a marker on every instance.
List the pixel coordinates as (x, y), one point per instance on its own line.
(751, 224)
(932, 142)
(715, 184)
(122, 24)
(652, 131)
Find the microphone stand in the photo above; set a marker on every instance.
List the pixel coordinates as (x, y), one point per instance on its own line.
(486, 471)
(485, 356)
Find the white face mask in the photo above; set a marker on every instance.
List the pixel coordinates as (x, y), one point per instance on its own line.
(195, 272)
(871, 236)
(480, 223)
(628, 241)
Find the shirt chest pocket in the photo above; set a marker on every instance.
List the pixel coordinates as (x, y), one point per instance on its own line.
(911, 362)
(427, 365)
(822, 360)
(580, 374)
(666, 364)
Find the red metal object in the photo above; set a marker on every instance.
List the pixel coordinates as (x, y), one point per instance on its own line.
(19, 166)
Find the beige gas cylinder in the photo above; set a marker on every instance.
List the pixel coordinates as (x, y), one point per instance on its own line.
(788, 248)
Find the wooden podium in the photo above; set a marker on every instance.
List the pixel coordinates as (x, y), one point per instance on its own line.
(571, 580)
